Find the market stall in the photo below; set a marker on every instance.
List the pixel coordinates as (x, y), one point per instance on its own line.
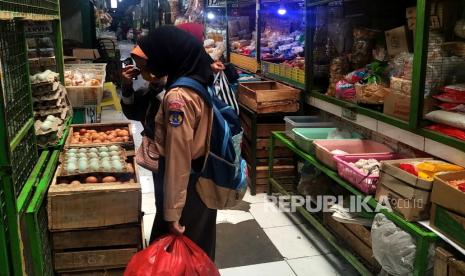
(282, 41)
(216, 31)
(243, 35)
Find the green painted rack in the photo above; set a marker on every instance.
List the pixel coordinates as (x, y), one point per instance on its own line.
(423, 237)
(36, 222)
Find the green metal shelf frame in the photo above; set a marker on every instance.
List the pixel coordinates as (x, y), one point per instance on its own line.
(36, 243)
(16, 207)
(424, 238)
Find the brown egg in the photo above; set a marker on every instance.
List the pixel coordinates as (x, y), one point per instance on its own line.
(82, 131)
(108, 179)
(88, 135)
(117, 129)
(75, 182)
(125, 139)
(113, 140)
(76, 134)
(74, 141)
(92, 131)
(91, 179)
(97, 141)
(123, 133)
(84, 140)
(107, 132)
(130, 168)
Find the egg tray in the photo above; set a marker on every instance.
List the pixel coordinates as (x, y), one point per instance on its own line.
(102, 127)
(63, 157)
(45, 87)
(125, 169)
(121, 177)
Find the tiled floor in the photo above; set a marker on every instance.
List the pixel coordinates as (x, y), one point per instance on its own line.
(256, 238)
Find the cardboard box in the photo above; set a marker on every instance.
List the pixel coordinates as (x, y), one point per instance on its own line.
(401, 177)
(397, 104)
(448, 196)
(414, 207)
(86, 54)
(397, 41)
(406, 193)
(401, 85)
(448, 223)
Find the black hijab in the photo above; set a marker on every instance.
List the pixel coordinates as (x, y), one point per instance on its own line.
(175, 53)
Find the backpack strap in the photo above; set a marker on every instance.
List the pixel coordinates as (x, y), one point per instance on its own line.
(196, 86)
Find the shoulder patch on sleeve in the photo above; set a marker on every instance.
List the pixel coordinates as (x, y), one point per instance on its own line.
(176, 104)
(175, 118)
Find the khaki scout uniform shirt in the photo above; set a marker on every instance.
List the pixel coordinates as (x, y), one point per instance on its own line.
(182, 128)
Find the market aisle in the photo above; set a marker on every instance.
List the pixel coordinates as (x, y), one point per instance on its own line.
(255, 238)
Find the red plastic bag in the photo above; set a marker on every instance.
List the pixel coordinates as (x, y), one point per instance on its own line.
(171, 256)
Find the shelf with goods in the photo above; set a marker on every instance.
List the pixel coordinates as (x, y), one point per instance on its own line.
(243, 37)
(30, 10)
(282, 41)
(415, 80)
(424, 238)
(216, 31)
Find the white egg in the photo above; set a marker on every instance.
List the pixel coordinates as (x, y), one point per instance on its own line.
(104, 154)
(105, 159)
(114, 148)
(71, 168)
(106, 166)
(114, 153)
(94, 159)
(117, 165)
(72, 151)
(93, 150)
(71, 154)
(94, 166)
(82, 154)
(83, 166)
(83, 159)
(115, 157)
(84, 150)
(71, 160)
(103, 149)
(92, 154)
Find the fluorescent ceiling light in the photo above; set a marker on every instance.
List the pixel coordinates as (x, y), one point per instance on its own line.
(114, 4)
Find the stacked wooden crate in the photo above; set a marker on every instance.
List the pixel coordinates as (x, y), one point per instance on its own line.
(95, 227)
(257, 136)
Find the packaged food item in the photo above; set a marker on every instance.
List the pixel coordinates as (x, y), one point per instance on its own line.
(371, 93)
(345, 91)
(447, 130)
(401, 85)
(363, 46)
(339, 67)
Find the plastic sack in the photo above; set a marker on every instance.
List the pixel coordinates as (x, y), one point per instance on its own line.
(394, 248)
(171, 256)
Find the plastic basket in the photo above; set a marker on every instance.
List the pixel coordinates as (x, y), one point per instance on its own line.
(304, 122)
(15, 79)
(247, 63)
(81, 96)
(304, 137)
(323, 149)
(46, 7)
(364, 182)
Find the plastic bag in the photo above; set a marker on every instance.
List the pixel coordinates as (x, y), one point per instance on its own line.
(393, 248)
(171, 256)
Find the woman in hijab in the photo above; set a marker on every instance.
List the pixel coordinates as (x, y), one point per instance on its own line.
(181, 130)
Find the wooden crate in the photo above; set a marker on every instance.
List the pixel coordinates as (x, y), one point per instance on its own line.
(357, 237)
(93, 259)
(448, 223)
(124, 235)
(129, 146)
(244, 62)
(446, 264)
(269, 97)
(80, 206)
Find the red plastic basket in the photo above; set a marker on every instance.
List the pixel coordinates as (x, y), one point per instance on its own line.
(363, 182)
